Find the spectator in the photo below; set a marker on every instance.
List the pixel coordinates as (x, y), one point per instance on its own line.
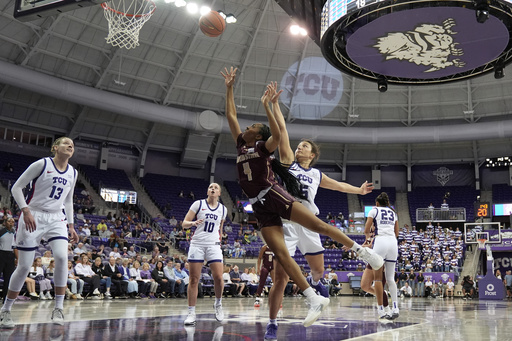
(508, 283)
(37, 274)
(237, 282)
(131, 253)
(47, 258)
(80, 248)
(145, 275)
(402, 278)
(191, 195)
(468, 287)
(80, 216)
(181, 280)
(77, 285)
(158, 275)
(237, 247)
(334, 285)
(112, 271)
(181, 195)
(437, 291)
(115, 253)
(84, 271)
(406, 290)
(173, 222)
(421, 285)
(449, 288)
(132, 285)
(429, 286)
(99, 269)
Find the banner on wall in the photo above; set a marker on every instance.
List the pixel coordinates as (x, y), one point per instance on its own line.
(443, 175)
(502, 261)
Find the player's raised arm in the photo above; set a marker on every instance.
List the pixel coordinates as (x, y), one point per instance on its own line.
(339, 186)
(273, 142)
(286, 154)
(229, 78)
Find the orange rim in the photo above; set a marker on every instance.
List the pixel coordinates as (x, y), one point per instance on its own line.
(108, 8)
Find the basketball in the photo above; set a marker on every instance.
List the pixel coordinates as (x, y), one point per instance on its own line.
(212, 24)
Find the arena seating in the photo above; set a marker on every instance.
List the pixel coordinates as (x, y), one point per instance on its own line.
(111, 178)
(501, 193)
(460, 196)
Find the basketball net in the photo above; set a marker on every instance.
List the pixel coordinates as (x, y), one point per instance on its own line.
(125, 19)
(481, 243)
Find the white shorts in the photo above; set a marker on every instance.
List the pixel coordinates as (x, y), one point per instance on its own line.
(49, 226)
(297, 236)
(201, 253)
(386, 247)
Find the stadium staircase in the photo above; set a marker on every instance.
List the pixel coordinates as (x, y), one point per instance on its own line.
(402, 207)
(143, 198)
(100, 204)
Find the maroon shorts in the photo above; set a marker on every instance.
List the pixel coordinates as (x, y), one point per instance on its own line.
(277, 204)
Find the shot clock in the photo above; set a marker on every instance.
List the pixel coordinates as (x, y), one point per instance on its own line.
(483, 210)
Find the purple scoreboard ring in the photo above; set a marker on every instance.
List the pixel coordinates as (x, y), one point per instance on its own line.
(417, 42)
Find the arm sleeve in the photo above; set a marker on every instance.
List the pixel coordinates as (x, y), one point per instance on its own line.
(68, 203)
(32, 172)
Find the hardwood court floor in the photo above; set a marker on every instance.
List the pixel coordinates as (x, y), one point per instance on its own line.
(346, 318)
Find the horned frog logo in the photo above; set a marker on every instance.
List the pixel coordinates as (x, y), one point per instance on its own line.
(428, 44)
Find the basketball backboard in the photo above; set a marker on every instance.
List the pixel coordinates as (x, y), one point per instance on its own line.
(27, 10)
(489, 231)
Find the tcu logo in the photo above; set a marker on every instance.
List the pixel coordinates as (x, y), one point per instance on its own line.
(313, 90)
(59, 180)
(211, 216)
(305, 178)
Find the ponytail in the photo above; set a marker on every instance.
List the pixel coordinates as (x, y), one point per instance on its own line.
(289, 181)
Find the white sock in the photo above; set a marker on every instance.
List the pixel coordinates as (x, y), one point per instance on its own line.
(313, 281)
(191, 310)
(309, 292)
(8, 304)
(59, 301)
(273, 321)
(355, 247)
(218, 301)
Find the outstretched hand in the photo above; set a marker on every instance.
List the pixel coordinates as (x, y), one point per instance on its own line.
(366, 188)
(273, 93)
(266, 97)
(229, 75)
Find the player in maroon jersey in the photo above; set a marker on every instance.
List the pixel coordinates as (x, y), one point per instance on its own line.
(265, 266)
(271, 201)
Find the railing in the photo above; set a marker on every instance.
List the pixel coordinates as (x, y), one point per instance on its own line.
(457, 214)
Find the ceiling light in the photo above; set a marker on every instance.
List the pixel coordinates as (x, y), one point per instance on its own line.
(303, 32)
(192, 8)
(295, 29)
(168, 1)
(230, 18)
(204, 10)
(222, 14)
(180, 3)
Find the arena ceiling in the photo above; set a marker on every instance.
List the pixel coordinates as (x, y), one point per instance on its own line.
(58, 75)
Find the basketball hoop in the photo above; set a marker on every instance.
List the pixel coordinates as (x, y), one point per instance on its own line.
(125, 19)
(481, 243)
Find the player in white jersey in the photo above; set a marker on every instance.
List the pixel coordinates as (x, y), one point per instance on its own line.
(209, 215)
(47, 213)
(382, 221)
(295, 235)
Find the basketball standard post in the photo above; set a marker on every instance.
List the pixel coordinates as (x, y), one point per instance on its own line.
(489, 287)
